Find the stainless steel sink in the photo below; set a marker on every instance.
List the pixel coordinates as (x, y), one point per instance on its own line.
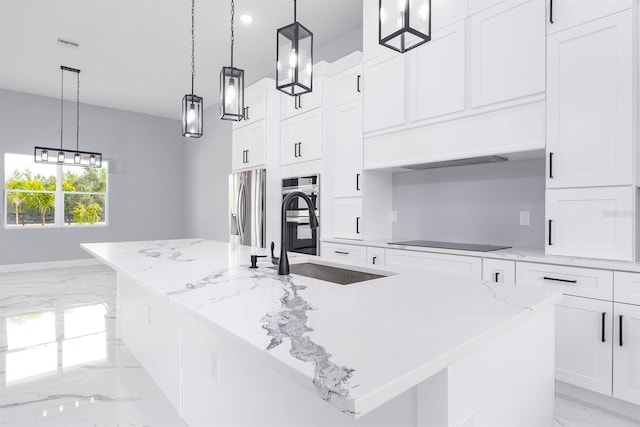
(336, 275)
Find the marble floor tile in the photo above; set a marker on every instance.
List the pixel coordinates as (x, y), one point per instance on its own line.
(570, 413)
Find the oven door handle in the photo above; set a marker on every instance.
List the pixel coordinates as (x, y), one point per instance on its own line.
(307, 189)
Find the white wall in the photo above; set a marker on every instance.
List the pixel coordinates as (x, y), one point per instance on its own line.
(145, 178)
(472, 204)
(207, 165)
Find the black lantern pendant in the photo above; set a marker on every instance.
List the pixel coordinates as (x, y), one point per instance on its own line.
(294, 58)
(404, 24)
(192, 104)
(232, 86)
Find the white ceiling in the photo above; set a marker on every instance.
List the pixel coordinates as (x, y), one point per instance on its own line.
(135, 54)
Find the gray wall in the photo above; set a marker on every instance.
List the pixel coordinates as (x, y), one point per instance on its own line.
(145, 178)
(207, 165)
(473, 204)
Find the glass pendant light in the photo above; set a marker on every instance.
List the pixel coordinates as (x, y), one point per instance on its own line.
(294, 58)
(192, 106)
(68, 157)
(404, 24)
(232, 85)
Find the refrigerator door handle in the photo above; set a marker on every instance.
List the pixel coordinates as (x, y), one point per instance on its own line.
(244, 211)
(239, 214)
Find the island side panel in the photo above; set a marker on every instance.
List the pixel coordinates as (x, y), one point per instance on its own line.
(509, 381)
(150, 328)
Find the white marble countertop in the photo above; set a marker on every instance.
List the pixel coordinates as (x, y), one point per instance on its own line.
(356, 346)
(536, 255)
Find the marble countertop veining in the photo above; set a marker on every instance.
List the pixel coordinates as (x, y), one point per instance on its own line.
(356, 346)
(535, 255)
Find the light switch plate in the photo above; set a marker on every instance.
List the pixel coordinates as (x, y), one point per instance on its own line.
(394, 216)
(525, 218)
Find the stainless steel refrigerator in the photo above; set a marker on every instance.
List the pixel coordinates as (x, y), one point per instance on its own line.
(247, 206)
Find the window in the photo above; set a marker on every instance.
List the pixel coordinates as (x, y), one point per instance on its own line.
(40, 195)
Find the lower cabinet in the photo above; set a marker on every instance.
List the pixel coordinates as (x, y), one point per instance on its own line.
(499, 271)
(342, 252)
(626, 352)
(347, 220)
(463, 266)
(375, 256)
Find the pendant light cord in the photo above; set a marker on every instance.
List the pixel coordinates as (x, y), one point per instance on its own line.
(61, 105)
(295, 10)
(193, 42)
(78, 113)
(233, 11)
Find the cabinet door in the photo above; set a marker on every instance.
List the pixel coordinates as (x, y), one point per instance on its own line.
(347, 86)
(348, 218)
(294, 105)
(508, 51)
(568, 13)
(301, 138)
(590, 104)
(248, 147)
(590, 222)
(255, 102)
(384, 97)
(437, 74)
(626, 353)
(348, 152)
(584, 331)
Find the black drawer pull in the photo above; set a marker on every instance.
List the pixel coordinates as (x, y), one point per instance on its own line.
(342, 253)
(560, 280)
(550, 223)
(358, 84)
(374, 260)
(357, 182)
(496, 275)
(358, 225)
(551, 165)
(551, 11)
(603, 337)
(620, 338)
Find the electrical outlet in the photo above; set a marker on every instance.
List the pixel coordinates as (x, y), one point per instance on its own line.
(525, 218)
(394, 216)
(215, 366)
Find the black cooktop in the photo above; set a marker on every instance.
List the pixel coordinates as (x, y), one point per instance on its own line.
(451, 245)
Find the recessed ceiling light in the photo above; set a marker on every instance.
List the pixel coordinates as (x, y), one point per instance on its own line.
(247, 19)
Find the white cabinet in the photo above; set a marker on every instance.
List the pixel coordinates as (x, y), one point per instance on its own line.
(347, 221)
(499, 271)
(590, 222)
(347, 155)
(584, 333)
(590, 103)
(347, 86)
(568, 13)
(384, 96)
(255, 101)
(342, 252)
(462, 266)
(375, 255)
(507, 51)
(295, 105)
(437, 74)
(248, 147)
(301, 138)
(627, 288)
(626, 353)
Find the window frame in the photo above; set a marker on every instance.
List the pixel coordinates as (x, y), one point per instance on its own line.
(59, 193)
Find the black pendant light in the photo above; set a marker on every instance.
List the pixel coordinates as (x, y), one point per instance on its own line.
(192, 104)
(232, 85)
(75, 157)
(294, 58)
(404, 24)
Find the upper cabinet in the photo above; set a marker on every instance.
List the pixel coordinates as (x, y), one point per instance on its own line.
(347, 86)
(384, 97)
(294, 105)
(590, 103)
(248, 148)
(301, 138)
(507, 51)
(563, 14)
(255, 102)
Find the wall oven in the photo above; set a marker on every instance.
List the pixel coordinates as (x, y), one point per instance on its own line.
(300, 237)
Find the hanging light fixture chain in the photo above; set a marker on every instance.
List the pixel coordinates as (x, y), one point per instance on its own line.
(61, 105)
(233, 12)
(78, 113)
(193, 42)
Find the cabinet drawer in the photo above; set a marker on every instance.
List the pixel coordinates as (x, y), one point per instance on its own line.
(375, 256)
(339, 251)
(574, 281)
(627, 287)
(499, 271)
(463, 266)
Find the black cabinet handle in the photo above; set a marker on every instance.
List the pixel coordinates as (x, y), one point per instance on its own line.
(295, 102)
(603, 337)
(300, 101)
(551, 11)
(357, 182)
(247, 156)
(342, 253)
(550, 223)
(496, 275)
(357, 225)
(358, 83)
(560, 280)
(551, 165)
(374, 260)
(620, 338)
(296, 149)
(299, 149)
(246, 113)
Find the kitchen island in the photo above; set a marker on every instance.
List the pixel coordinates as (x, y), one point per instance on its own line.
(231, 345)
